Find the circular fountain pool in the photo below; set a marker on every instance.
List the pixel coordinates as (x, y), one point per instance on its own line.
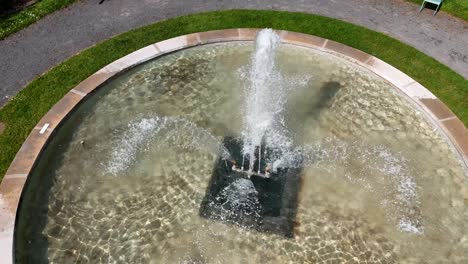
(124, 178)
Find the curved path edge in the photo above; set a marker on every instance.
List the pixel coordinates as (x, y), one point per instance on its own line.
(34, 50)
(12, 185)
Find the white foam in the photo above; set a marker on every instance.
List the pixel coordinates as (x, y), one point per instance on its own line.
(163, 130)
(263, 96)
(240, 197)
(125, 151)
(406, 225)
(399, 187)
(266, 92)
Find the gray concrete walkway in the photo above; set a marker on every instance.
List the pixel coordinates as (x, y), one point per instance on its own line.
(34, 50)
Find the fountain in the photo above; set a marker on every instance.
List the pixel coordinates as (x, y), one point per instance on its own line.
(252, 189)
(242, 152)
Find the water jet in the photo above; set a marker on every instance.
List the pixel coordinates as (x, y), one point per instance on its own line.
(364, 168)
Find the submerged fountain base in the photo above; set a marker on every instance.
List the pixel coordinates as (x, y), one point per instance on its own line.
(264, 201)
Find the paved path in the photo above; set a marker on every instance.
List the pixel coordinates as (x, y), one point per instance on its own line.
(32, 51)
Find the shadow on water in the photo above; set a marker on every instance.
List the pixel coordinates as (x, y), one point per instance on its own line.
(263, 204)
(310, 103)
(325, 95)
(30, 243)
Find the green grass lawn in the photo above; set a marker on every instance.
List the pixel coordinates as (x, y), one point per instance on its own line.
(10, 24)
(15, 22)
(457, 8)
(23, 112)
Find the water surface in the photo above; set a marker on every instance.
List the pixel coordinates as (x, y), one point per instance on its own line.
(381, 185)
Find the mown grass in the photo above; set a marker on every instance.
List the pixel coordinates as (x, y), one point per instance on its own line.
(12, 23)
(458, 8)
(22, 113)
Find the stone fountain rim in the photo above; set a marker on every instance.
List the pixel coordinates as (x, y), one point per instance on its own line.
(15, 178)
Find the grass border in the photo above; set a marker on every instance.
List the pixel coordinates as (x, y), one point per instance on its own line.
(23, 112)
(10, 24)
(15, 22)
(456, 8)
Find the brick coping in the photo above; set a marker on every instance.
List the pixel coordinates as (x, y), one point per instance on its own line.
(11, 187)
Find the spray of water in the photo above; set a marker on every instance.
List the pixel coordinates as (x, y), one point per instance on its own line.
(240, 198)
(160, 131)
(265, 97)
(380, 171)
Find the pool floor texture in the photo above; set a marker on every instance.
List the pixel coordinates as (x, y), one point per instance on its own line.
(10, 189)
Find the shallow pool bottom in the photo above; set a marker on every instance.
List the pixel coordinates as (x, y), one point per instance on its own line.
(383, 186)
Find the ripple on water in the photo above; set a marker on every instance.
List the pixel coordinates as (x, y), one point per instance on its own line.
(381, 185)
